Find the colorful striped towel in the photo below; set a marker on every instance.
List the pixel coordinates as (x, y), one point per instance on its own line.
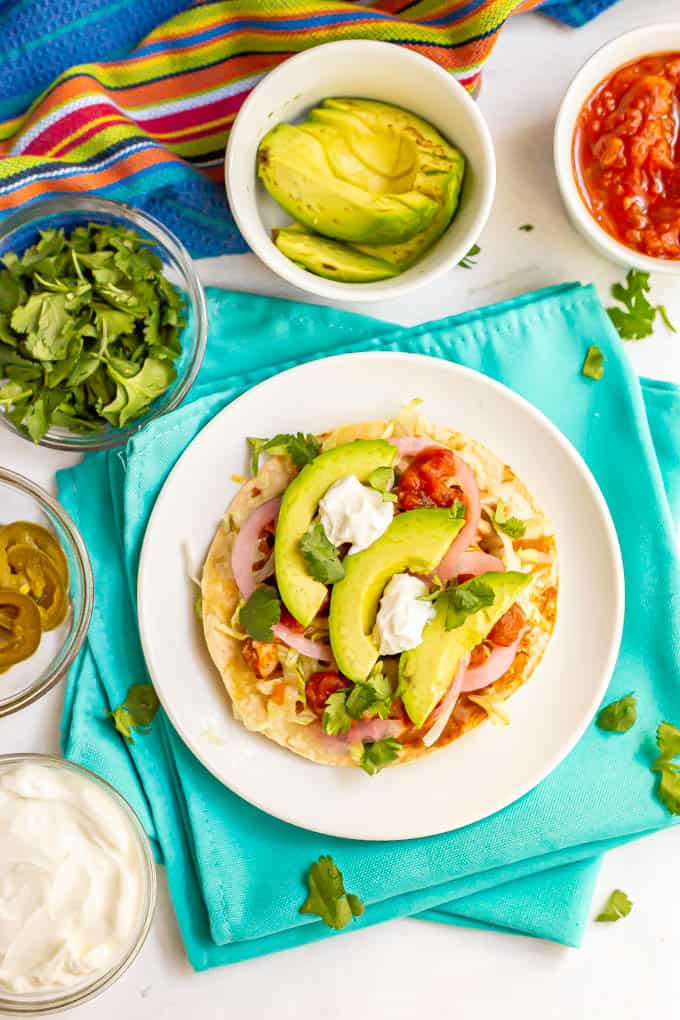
(148, 122)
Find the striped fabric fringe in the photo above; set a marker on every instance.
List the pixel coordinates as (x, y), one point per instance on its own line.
(150, 127)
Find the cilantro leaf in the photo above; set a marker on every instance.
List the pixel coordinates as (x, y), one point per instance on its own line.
(382, 479)
(260, 613)
(258, 446)
(468, 261)
(526, 227)
(619, 716)
(327, 896)
(302, 449)
(511, 526)
(465, 599)
(136, 712)
(378, 754)
(373, 695)
(617, 906)
(335, 717)
(321, 556)
(593, 365)
(458, 510)
(668, 742)
(635, 320)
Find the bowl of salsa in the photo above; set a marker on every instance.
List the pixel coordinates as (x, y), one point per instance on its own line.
(617, 149)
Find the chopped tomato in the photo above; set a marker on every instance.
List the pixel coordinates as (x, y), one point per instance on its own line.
(627, 155)
(320, 686)
(261, 656)
(290, 622)
(507, 629)
(426, 481)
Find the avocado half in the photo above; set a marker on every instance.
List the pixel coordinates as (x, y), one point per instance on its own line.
(417, 541)
(425, 672)
(302, 595)
(377, 180)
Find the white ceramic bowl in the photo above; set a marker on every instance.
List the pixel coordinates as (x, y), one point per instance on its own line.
(641, 42)
(368, 70)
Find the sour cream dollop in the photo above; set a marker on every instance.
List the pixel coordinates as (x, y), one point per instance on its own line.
(402, 617)
(71, 879)
(352, 512)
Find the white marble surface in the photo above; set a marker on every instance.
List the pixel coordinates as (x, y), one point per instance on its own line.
(409, 967)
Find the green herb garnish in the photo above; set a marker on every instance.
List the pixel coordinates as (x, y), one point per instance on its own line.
(593, 365)
(526, 227)
(617, 906)
(511, 526)
(458, 510)
(619, 716)
(661, 309)
(260, 613)
(301, 448)
(89, 330)
(136, 712)
(668, 742)
(463, 600)
(327, 896)
(468, 261)
(335, 718)
(635, 320)
(378, 754)
(321, 556)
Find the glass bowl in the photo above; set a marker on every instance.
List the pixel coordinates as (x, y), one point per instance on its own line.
(21, 230)
(37, 1003)
(25, 682)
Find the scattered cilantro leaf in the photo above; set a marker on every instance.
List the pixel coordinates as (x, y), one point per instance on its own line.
(619, 716)
(382, 479)
(373, 695)
(593, 364)
(463, 600)
(458, 510)
(257, 446)
(335, 717)
(260, 613)
(668, 742)
(468, 261)
(136, 712)
(526, 227)
(512, 526)
(327, 896)
(617, 906)
(92, 323)
(378, 754)
(321, 556)
(635, 320)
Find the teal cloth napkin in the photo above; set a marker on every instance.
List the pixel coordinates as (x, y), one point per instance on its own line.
(237, 875)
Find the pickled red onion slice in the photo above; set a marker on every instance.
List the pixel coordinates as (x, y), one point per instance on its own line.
(409, 446)
(499, 661)
(468, 483)
(313, 649)
(474, 563)
(244, 553)
(447, 706)
(365, 729)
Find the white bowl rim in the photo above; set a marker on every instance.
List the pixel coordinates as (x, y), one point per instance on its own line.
(563, 137)
(396, 286)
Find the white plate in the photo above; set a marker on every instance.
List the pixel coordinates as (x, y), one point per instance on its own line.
(461, 783)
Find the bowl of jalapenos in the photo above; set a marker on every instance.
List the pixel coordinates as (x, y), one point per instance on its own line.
(46, 592)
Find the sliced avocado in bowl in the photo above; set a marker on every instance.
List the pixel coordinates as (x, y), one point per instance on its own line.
(302, 595)
(330, 259)
(426, 672)
(294, 168)
(417, 541)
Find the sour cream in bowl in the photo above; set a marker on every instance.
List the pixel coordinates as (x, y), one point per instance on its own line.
(77, 884)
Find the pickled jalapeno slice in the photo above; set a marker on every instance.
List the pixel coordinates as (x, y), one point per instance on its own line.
(19, 627)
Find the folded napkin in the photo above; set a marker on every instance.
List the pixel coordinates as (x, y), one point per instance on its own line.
(147, 123)
(236, 874)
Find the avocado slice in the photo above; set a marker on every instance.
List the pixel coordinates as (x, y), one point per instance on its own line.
(295, 170)
(417, 541)
(425, 672)
(330, 259)
(301, 593)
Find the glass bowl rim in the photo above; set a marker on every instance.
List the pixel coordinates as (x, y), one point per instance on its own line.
(30, 1004)
(48, 504)
(86, 203)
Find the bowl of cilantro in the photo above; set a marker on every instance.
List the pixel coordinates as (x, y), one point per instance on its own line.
(103, 322)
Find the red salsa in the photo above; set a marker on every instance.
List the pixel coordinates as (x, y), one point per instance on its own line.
(627, 155)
